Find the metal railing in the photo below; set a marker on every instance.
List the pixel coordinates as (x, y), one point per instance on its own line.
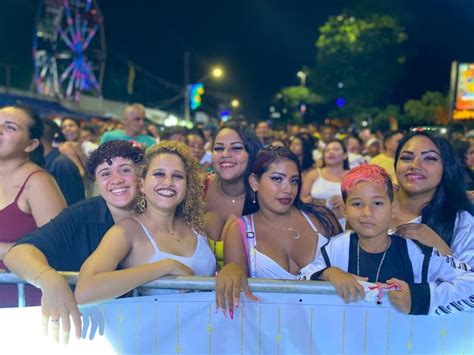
(195, 283)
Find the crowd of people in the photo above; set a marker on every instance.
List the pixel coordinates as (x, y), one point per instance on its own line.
(306, 203)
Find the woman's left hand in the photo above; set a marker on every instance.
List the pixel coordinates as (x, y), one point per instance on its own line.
(425, 235)
(229, 281)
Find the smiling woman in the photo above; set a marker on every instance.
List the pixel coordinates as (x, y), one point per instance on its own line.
(164, 239)
(433, 206)
(226, 192)
(65, 242)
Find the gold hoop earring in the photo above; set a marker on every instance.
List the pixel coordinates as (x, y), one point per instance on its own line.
(141, 203)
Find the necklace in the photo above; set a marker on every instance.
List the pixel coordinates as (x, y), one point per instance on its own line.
(381, 261)
(233, 199)
(173, 233)
(293, 232)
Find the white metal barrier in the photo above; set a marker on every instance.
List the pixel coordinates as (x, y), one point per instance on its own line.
(292, 317)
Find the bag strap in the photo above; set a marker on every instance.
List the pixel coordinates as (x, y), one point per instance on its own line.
(248, 239)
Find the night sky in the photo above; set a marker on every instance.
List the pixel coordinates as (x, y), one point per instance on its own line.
(261, 44)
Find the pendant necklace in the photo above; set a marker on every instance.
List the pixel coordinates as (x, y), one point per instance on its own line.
(233, 199)
(293, 232)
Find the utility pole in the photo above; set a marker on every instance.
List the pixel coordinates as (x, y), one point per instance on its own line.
(187, 113)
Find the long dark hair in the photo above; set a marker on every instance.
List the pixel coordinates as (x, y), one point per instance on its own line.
(307, 161)
(450, 196)
(269, 155)
(252, 145)
(35, 131)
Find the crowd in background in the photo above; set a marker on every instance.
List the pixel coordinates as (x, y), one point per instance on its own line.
(143, 195)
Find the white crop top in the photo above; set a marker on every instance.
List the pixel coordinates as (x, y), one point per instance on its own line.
(322, 189)
(202, 262)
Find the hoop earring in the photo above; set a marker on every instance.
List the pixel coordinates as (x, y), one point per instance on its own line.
(141, 203)
(254, 200)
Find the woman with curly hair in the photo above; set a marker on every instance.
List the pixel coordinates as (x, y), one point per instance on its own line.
(162, 240)
(65, 242)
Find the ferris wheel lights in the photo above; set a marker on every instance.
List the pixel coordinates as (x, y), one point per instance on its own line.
(68, 54)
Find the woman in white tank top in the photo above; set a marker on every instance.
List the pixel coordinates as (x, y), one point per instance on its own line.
(281, 237)
(162, 240)
(323, 186)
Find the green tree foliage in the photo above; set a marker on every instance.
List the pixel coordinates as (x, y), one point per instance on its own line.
(377, 118)
(431, 109)
(289, 99)
(359, 59)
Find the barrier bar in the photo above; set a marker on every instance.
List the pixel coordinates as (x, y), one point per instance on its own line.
(196, 283)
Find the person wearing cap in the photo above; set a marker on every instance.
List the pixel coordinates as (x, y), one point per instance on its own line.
(372, 148)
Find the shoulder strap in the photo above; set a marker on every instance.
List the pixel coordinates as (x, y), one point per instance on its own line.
(148, 235)
(24, 184)
(248, 239)
(310, 222)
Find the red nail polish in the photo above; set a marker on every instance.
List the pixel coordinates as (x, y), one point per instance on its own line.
(225, 313)
(231, 313)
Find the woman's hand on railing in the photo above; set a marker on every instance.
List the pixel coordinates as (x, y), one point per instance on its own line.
(58, 306)
(229, 281)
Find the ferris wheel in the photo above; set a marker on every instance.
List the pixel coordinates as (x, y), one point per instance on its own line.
(69, 48)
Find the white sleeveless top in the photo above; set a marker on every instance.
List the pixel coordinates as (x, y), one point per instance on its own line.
(267, 268)
(322, 189)
(202, 262)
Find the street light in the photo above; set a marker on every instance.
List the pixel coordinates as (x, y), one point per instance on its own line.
(216, 72)
(235, 103)
(302, 75)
